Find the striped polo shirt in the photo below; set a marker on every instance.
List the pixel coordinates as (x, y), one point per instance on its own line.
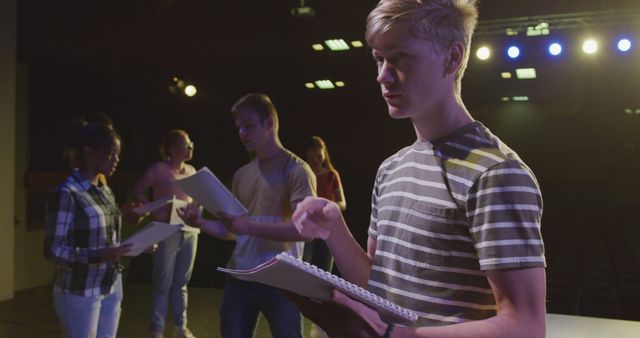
(444, 212)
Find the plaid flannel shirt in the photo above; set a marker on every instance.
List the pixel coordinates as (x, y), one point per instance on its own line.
(81, 220)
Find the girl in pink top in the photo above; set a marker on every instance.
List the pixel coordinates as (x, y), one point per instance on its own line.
(173, 261)
(330, 187)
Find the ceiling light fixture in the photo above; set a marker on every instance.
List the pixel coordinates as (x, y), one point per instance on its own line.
(336, 45)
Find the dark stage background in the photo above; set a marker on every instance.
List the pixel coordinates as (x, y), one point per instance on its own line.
(119, 57)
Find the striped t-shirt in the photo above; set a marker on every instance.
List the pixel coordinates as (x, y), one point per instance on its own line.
(444, 212)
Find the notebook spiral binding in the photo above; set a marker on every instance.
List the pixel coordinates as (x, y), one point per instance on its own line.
(352, 289)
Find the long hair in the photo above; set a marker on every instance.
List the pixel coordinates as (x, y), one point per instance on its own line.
(318, 142)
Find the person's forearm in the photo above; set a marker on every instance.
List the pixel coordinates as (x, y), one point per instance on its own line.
(282, 231)
(138, 195)
(140, 199)
(495, 327)
(216, 229)
(352, 261)
(340, 200)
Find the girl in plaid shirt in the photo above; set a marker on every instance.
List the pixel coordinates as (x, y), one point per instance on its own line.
(82, 238)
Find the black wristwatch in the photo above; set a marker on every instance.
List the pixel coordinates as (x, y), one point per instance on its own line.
(387, 333)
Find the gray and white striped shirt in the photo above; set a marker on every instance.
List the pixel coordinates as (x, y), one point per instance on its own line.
(445, 211)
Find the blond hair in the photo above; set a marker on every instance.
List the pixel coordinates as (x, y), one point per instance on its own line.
(443, 22)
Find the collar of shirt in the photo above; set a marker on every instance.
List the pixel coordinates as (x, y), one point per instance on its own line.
(83, 182)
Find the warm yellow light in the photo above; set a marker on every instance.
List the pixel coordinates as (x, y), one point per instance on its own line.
(483, 53)
(190, 90)
(339, 84)
(505, 75)
(511, 31)
(590, 46)
(309, 85)
(357, 44)
(317, 47)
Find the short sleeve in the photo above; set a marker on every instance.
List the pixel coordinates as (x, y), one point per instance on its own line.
(504, 208)
(373, 223)
(302, 183)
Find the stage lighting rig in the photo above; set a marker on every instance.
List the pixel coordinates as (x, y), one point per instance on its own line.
(303, 11)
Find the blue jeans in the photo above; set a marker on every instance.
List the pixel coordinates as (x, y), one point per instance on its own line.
(172, 267)
(89, 317)
(241, 306)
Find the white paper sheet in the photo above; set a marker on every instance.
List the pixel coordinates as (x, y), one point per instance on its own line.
(205, 188)
(150, 234)
(175, 218)
(153, 206)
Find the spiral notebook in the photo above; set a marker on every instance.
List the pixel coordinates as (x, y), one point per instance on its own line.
(287, 272)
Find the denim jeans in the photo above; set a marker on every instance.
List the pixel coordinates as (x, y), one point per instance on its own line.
(89, 317)
(172, 267)
(241, 306)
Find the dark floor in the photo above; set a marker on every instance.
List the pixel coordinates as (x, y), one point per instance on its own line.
(30, 314)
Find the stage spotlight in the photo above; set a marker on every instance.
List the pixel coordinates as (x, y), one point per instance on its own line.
(555, 49)
(483, 53)
(590, 46)
(513, 52)
(624, 45)
(190, 90)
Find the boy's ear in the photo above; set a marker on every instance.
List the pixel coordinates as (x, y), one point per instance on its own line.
(454, 58)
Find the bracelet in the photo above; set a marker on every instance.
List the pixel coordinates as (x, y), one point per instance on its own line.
(387, 333)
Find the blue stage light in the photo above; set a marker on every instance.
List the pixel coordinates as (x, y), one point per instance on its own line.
(513, 52)
(555, 49)
(624, 45)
